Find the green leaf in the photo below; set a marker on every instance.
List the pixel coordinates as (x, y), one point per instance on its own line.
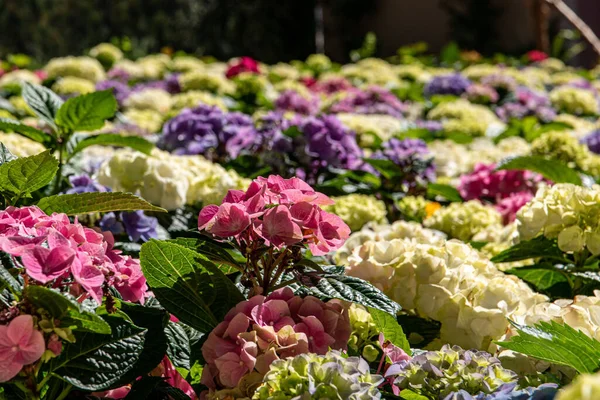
(110, 139)
(6, 278)
(154, 320)
(87, 112)
(459, 137)
(387, 168)
(95, 362)
(408, 394)
(44, 102)
(390, 328)
(85, 203)
(178, 343)
(11, 125)
(548, 280)
(28, 174)
(419, 331)
(211, 250)
(349, 288)
(446, 191)
(69, 312)
(549, 169)
(556, 343)
(537, 247)
(450, 53)
(5, 154)
(187, 284)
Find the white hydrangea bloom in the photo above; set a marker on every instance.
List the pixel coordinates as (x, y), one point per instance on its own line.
(149, 99)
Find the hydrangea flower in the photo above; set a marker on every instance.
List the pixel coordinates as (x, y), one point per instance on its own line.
(358, 209)
(481, 94)
(373, 100)
(437, 374)
(452, 84)
(244, 64)
(331, 376)
(258, 331)
(55, 251)
(584, 387)
(464, 220)
(527, 102)
(20, 344)
(564, 147)
(510, 391)
(592, 141)
(574, 100)
(291, 100)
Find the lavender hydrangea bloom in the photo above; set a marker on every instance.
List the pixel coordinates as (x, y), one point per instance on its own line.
(139, 226)
(207, 130)
(432, 126)
(170, 85)
(508, 391)
(452, 84)
(84, 184)
(527, 102)
(413, 158)
(110, 222)
(592, 140)
(120, 89)
(291, 100)
(373, 100)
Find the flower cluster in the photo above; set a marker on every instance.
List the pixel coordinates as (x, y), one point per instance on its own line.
(574, 100)
(564, 147)
(356, 210)
(71, 85)
(454, 84)
(261, 330)
(565, 212)
(290, 100)
(243, 65)
(331, 376)
(373, 100)
(417, 208)
(106, 53)
(460, 115)
(20, 344)
(527, 102)
(79, 67)
(464, 220)
(279, 212)
(439, 374)
(584, 387)
(451, 283)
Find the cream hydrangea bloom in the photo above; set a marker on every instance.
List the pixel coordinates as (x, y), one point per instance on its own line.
(205, 80)
(149, 99)
(574, 100)
(383, 126)
(20, 146)
(16, 78)
(358, 209)
(79, 67)
(168, 180)
(73, 85)
(149, 120)
(584, 387)
(461, 115)
(566, 212)
(193, 98)
(464, 220)
(107, 53)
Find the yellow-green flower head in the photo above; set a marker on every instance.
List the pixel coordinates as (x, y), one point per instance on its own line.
(149, 120)
(358, 209)
(282, 71)
(566, 148)
(20, 146)
(552, 64)
(382, 126)
(162, 61)
(414, 208)
(106, 53)
(584, 387)
(566, 212)
(574, 100)
(412, 72)
(248, 83)
(565, 77)
(14, 79)
(186, 64)
(6, 114)
(318, 62)
(525, 78)
(364, 330)
(463, 116)
(538, 75)
(149, 99)
(193, 98)
(296, 86)
(79, 67)
(478, 71)
(73, 85)
(581, 126)
(464, 220)
(204, 80)
(311, 376)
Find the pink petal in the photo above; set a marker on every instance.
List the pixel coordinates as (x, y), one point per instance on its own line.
(230, 220)
(205, 218)
(231, 369)
(237, 325)
(234, 196)
(278, 227)
(9, 370)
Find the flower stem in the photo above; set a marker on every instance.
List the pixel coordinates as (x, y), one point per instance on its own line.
(65, 392)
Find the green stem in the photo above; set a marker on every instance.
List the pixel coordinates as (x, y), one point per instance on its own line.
(65, 392)
(58, 179)
(43, 382)
(282, 284)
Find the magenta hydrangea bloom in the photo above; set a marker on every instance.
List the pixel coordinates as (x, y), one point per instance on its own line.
(68, 255)
(260, 330)
(485, 183)
(509, 206)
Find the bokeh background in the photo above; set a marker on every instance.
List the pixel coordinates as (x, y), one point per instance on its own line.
(278, 30)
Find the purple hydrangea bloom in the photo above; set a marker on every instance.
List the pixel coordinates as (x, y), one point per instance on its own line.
(118, 74)
(170, 85)
(373, 100)
(84, 184)
(139, 226)
(120, 89)
(508, 391)
(413, 158)
(110, 222)
(452, 84)
(291, 100)
(592, 140)
(207, 130)
(527, 102)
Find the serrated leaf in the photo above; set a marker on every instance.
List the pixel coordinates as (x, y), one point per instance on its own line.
(87, 112)
(446, 191)
(537, 247)
(43, 101)
(28, 174)
(95, 362)
(548, 280)
(349, 288)
(556, 343)
(553, 170)
(408, 394)
(69, 312)
(113, 139)
(178, 343)
(5, 154)
(211, 250)
(390, 328)
(387, 168)
(85, 203)
(187, 284)
(11, 125)
(6, 278)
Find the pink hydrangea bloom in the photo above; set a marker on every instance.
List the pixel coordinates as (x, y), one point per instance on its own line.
(244, 64)
(53, 250)
(263, 329)
(281, 212)
(20, 344)
(487, 183)
(509, 206)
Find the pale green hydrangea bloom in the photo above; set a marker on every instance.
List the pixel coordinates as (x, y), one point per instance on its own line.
(73, 85)
(574, 100)
(358, 209)
(79, 67)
